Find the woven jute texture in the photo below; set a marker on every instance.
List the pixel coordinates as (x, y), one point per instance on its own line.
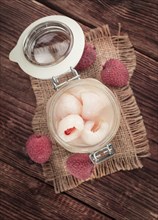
(130, 142)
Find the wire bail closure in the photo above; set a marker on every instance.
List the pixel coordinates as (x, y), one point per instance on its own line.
(102, 154)
(56, 82)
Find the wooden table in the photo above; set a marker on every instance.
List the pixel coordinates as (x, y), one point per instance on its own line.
(124, 195)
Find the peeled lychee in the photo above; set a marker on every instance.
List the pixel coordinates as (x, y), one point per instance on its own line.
(80, 166)
(92, 105)
(70, 127)
(88, 57)
(67, 104)
(39, 148)
(114, 73)
(94, 133)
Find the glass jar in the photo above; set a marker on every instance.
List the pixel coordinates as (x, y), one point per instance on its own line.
(108, 113)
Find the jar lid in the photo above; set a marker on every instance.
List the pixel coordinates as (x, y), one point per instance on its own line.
(49, 47)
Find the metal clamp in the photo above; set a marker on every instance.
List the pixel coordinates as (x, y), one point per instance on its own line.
(102, 154)
(57, 84)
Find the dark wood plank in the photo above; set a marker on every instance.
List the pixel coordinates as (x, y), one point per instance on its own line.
(138, 18)
(125, 195)
(24, 197)
(144, 83)
(24, 13)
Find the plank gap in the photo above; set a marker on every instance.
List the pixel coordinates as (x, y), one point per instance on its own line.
(86, 204)
(64, 193)
(63, 12)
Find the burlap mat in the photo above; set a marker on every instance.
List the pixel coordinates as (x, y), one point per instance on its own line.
(130, 142)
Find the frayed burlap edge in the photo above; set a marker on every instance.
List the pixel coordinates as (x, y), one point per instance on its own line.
(125, 52)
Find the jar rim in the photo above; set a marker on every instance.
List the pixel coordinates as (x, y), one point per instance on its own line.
(40, 31)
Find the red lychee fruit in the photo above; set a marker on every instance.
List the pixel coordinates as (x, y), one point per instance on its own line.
(88, 57)
(114, 73)
(80, 166)
(39, 148)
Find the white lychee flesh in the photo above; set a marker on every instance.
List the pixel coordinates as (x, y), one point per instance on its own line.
(66, 105)
(93, 134)
(70, 127)
(92, 105)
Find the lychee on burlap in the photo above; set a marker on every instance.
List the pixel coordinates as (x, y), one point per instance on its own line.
(130, 142)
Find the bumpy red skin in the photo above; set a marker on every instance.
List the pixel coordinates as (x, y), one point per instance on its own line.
(114, 73)
(80, 166)
(87, 59)
(39, 148)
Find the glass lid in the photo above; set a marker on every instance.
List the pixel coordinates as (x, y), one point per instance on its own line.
(48, 43)
(49, 47)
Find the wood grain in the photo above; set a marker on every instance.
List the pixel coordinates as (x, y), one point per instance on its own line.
(24, 197)
(135, 16)
(145, 86)
(124, 195)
